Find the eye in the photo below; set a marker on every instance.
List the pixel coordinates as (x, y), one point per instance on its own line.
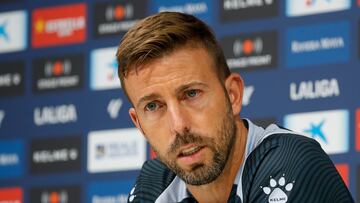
(192, 93)
(152, 106)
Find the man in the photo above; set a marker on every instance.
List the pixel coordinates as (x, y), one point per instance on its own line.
(187, 105)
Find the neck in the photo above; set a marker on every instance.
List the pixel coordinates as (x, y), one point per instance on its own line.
(219, 190)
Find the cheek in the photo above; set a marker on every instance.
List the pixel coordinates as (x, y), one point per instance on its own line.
(158, 138)
(208, 118)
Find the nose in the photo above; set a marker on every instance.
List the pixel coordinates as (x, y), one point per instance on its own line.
(178, 118)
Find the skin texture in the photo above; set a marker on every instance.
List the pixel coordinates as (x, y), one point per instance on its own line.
(191, 119)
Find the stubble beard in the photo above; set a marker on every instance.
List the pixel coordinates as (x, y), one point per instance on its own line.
(220, 146)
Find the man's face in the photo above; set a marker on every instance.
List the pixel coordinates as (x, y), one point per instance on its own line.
(184, 112)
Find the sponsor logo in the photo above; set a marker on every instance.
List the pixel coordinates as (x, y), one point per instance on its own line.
(66, 194)
(114, 107)
(11, 159)
(257, 50)
(329, 128)
(11, 195)
(248, 92)
(57, 73)
(309, 7)
(55, 155)
(343, 170)
(357, 129)
(104, 69)
(117, 17)
(317, 89)
(115, 150)
(201, 9)
(322, 44)
(51, 115)
(115, 192)
(2, 116)
(59, 25)
(12, 78)
(232, 10)
(13, 31)
(278, 190)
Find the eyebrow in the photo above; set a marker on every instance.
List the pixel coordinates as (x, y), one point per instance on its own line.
(147, 98)
(182, 88)
(187, 86)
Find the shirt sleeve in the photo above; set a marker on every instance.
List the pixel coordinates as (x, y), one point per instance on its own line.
(292, 168)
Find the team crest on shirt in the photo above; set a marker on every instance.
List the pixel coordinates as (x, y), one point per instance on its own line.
(277, 190)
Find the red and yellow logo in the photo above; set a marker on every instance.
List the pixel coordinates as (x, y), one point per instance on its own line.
(11, 195)
(59, 25)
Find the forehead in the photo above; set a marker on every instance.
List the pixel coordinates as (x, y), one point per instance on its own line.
(182, 66)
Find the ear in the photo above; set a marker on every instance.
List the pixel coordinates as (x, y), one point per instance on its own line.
(234, 85)
(135, 119)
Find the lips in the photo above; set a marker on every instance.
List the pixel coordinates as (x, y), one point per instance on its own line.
(190, 151)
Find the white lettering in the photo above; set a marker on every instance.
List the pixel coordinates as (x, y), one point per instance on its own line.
(314, 90)
(317, 45)
(307, 46)
(66, 26)
(243, 4)
(59, 155)
(58, 82)
(121, 198)
(7, 80)
(190, 8)
(55, 115)
(8, 159)
(10, 201)
(332, 43)
(251, 61)
(114, 27)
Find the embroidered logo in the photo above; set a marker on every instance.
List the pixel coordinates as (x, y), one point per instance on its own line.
(132, 195)
(276, 190)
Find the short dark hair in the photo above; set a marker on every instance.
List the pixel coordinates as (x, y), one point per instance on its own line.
(162, 33)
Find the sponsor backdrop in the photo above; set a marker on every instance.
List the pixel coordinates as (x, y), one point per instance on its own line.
(65, 134)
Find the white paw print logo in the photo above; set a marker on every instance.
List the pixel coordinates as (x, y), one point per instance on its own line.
(276, 190)
(132, 196)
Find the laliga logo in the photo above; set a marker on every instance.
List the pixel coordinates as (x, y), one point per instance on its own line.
(248, 46)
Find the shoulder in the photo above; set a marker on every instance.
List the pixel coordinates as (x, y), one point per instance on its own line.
(282, 146)
(295, 165)
(154, 178)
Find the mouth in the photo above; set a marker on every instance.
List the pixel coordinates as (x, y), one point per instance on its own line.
(190, 151)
